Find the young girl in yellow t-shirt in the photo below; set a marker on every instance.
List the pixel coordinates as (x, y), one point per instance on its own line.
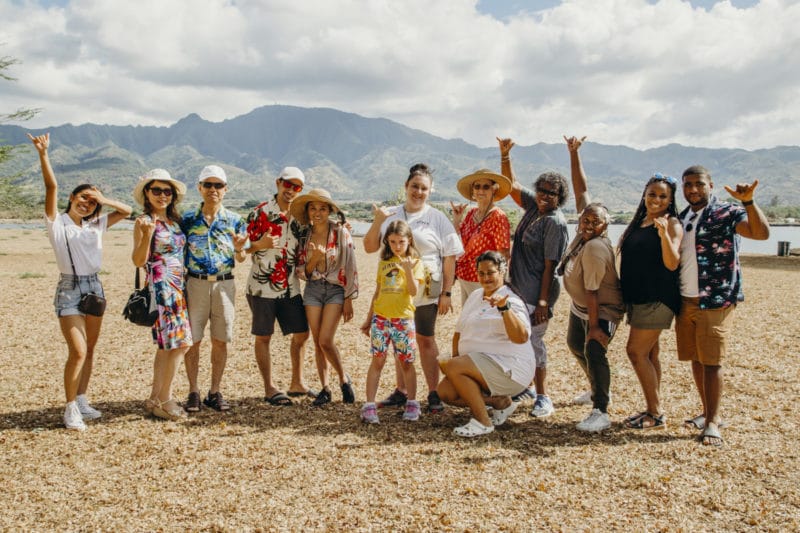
(391, 316)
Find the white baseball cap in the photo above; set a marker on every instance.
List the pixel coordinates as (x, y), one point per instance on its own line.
(292, 173)
(212, 171)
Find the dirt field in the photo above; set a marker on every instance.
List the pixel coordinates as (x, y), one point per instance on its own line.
(303, 468)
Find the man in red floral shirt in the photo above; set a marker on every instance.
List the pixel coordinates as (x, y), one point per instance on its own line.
(273, 290)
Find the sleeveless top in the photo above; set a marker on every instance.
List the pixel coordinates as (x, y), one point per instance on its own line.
(643, 276)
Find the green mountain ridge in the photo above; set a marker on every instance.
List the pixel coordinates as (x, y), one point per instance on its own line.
(362, 159)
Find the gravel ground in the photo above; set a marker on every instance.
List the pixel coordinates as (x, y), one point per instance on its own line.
(264, 468)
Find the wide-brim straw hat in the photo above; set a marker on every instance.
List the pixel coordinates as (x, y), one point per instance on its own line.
(464, 185)
(158, 174)
(298, 208)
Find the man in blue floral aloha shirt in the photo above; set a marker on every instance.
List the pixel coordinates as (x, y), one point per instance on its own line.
(215, 240)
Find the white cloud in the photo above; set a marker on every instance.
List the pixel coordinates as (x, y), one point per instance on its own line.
(634, 72)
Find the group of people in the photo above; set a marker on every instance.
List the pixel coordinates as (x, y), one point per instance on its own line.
(683, 265)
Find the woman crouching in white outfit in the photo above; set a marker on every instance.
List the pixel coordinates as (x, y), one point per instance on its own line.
(492, 358)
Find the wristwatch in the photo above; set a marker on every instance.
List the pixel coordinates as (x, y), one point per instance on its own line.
(448, 293)
(542, 303)
(503, 307)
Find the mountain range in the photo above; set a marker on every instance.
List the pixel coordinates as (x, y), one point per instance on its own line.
(363, 159)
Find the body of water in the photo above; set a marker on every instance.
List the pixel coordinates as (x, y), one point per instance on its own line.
(749, 246)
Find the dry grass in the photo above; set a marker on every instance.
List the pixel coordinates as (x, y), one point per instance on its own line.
(301, 468)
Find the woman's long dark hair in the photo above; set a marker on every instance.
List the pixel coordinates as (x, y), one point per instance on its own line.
(641, 211)
(80, 188)
(172, 211)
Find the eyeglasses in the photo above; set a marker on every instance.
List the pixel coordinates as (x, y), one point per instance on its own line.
(547, 192)
(487, 274)
(158, 191)
(216, 184)
(290, 185)
(484, 187)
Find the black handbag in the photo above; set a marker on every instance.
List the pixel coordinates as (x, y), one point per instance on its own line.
(141, 309)
(90, 303)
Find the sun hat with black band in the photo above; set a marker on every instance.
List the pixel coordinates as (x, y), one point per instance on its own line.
(157, 174)
(464, 185)
(298, 208)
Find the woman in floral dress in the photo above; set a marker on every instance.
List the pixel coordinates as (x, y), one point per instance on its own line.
(158, 245)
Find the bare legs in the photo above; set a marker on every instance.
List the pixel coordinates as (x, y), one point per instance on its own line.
(81, 334)
(708, 380)
(164, 368)
(323, 322)
(407, 370)
(463, 386)
(296, 352)
(643, 351)
(219, 358)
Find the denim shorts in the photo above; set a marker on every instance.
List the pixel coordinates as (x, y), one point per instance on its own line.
(69, 291)
(319, 293)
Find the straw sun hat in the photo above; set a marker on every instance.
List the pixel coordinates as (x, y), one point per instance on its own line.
(464, 185)
(298, 208)
(158, 174)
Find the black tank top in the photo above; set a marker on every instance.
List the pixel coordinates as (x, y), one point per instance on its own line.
(643, 276)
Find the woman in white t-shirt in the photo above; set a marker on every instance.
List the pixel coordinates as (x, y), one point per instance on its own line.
(492, 358)
(77, 239)
(439, 245)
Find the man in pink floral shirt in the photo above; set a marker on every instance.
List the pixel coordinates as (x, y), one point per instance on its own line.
(273, 290)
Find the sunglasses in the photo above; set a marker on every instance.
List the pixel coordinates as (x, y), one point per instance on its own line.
(290, 185)
(547, 192)
(484, 187)
(658, 176)
(158, 191)
(217, 185)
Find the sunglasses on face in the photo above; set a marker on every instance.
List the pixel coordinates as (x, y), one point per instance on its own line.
(290, 185)
(217, 185)
(158, 191)
(547, 192)
(479, 187)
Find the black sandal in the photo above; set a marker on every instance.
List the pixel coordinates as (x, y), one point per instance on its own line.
(649, 421)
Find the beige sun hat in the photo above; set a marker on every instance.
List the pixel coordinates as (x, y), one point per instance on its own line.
(464, 185)
(157, 174)
(298, 208)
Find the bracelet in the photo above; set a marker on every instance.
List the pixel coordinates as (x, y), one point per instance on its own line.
(505, 158)
(748, 202)
(503, 308)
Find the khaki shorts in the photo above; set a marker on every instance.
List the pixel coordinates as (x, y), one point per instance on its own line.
(701, 333)
(467, 287)
(654, 315)
(499, 382)
(212, 300)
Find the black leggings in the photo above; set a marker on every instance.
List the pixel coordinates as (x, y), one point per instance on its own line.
(592, 357)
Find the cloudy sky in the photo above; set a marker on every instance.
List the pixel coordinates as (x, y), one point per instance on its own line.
(637, 72)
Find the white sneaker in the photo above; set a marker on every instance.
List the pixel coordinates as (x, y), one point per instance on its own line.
(585, 398)
(73, 418)
(595, 422)
(87, 411)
